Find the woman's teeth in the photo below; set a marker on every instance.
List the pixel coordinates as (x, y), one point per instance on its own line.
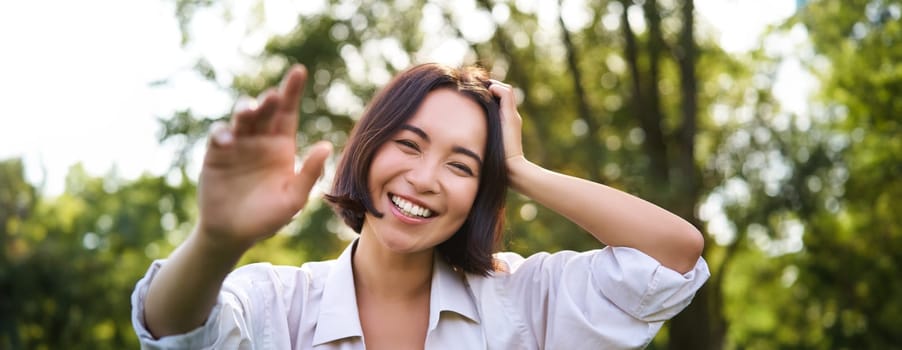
(409, 208)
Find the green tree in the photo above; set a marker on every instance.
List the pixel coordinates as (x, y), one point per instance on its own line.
(622, 103)
(816, 237)
(18, 199)
(654, 108)
(847, 286)
(69, 263)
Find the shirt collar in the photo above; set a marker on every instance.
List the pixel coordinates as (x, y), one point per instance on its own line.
(450, 292)
(338, 313)
(338, 316)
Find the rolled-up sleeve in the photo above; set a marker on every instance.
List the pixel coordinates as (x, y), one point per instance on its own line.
(642, 287)
(230, 324)
(613, 298)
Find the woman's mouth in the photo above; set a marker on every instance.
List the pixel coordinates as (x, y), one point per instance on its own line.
(409, 209)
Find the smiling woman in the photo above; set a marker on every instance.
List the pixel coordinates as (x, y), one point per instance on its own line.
(444, 138)
(423, 181)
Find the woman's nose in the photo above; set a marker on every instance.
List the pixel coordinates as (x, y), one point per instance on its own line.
(424, 178)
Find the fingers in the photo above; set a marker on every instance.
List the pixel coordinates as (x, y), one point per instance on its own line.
(255, 116)
(276, 111)
(290, 93)
(220, 140)
(221, 135)
(506, 93)
(511, 123)
(310, 171)
(266, 112)
(499, 82)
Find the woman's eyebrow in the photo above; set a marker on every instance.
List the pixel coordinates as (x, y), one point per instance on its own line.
(455, 149)
(467, 152)
(416, 130)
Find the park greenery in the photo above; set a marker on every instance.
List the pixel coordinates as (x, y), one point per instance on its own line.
(797, 206)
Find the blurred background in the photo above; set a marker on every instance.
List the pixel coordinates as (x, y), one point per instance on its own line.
(771, 125)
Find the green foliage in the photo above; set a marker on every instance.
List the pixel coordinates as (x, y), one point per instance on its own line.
(803, 232)
(69, 264)
(848, 284)
(839, 291)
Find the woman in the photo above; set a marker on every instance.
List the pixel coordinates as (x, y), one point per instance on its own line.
(423, 181)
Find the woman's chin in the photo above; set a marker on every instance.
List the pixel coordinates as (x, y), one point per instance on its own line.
(404, 244)
(401, 245)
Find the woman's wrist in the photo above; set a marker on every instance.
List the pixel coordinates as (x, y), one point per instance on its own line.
(184, 290)
(518, 170)
(221, 248)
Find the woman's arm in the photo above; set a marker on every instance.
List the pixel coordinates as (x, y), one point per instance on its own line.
(248, 189)
(614, 217)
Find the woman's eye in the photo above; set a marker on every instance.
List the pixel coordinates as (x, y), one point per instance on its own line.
(408, 144)
(463, 168)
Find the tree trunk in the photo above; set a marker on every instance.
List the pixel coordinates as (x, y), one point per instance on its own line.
(595, 159)
(645, 104)
(631, 53)
(701, 325)
(655, 143)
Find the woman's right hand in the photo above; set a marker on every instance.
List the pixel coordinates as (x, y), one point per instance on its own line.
(248, 186)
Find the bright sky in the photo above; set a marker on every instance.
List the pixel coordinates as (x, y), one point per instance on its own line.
(75, 75)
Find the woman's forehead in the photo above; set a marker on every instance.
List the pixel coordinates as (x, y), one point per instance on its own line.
(448, 115)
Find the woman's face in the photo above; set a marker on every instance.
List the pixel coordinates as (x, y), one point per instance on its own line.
(425, 177)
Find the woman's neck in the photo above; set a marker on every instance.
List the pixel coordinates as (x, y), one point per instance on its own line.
(389, 275)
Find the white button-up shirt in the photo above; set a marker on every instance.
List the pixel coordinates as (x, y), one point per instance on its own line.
(612, 298)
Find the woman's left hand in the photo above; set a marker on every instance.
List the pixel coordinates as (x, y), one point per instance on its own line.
(511, 122)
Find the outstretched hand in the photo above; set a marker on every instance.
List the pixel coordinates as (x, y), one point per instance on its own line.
(248, 185)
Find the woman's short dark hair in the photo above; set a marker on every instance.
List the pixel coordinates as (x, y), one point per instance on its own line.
(470, 248)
